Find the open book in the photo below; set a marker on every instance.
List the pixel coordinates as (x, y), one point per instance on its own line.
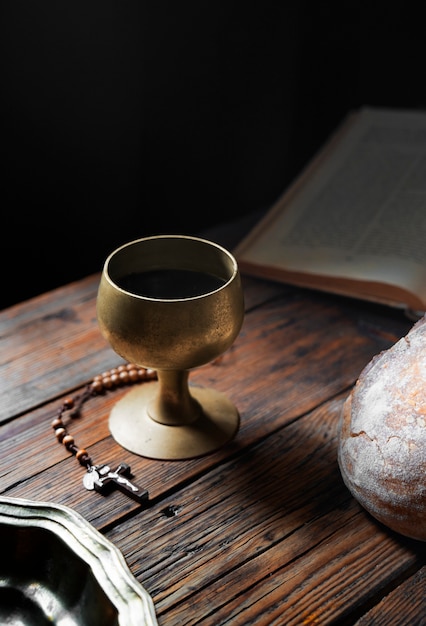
(354, 222)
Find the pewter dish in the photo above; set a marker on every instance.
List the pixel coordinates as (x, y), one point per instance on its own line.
(55, 568)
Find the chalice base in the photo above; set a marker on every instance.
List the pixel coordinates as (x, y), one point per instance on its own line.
(134, 429)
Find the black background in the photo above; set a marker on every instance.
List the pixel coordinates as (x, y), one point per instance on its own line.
(122, 118)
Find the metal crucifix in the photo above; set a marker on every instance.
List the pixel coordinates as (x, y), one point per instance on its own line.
(103, 479)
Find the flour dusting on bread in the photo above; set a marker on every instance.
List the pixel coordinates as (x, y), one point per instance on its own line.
(382, 438)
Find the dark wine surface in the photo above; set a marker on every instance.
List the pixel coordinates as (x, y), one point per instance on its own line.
(170, 284)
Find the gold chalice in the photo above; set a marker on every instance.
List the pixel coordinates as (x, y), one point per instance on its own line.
(171, 303)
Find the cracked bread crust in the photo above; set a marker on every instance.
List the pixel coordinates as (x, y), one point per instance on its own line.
(382, 436)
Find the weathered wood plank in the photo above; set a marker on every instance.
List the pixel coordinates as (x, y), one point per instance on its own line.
(272, 536)
(274, 523)
(403, 606)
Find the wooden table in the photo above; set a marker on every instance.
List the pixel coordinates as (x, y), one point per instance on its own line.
(262, 531)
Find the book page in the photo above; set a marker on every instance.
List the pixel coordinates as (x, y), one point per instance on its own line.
(362, 212)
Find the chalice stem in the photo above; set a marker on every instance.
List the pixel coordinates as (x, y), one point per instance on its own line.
(173, 404)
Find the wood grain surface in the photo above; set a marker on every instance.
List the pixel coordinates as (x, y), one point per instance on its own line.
(260, 532)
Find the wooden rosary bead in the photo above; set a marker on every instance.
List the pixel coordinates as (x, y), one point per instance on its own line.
(97, 385)
(133, 375)
(81, 453)
(83, 458)
(124, 377)
(68, 440)
(68, 403)
(57, 423)
(60, 434)
(115, 378)
(107, 382)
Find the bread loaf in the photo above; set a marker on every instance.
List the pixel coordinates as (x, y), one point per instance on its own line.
(382, 436)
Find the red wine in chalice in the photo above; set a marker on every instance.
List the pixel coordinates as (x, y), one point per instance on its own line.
(170, 284)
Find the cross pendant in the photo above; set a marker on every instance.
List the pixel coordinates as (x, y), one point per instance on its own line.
(103, 479)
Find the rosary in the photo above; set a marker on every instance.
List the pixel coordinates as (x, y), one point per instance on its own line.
(101, 478)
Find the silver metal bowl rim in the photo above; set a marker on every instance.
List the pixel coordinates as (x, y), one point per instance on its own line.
(133, 603)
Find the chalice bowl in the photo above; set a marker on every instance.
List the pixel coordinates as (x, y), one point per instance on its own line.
(171, 303)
